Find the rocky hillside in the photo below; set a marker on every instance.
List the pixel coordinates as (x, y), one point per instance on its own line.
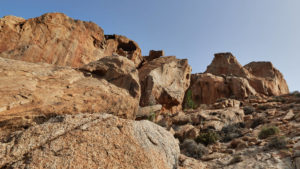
(73, 97)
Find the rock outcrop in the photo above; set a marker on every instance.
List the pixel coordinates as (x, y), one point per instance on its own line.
(117, 70)
(207, 88)
(225, 77)
(226, 64)
(164, 81)
(30, 89)
(90, 140)
(58, 39)
(268, 80)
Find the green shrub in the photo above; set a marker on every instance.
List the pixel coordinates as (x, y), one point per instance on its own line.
(267, 131)
(152, 116)
(189, 103)
(277, 143)
(206, 138)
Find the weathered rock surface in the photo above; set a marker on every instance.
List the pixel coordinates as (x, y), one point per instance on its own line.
(29, 89)
(268, 80)
(90, 140)
(117, 70)
(226, 64)
(207, 88)
(164, 81)
(225, 77)
(154, 54)
(58, 39)
(123, 47)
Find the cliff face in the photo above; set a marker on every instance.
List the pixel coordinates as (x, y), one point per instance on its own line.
(58, 39)
(225, 77)
(72, 97)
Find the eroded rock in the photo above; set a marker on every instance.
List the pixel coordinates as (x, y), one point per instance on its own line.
(58, 39)
(164, 81)
(93, 141)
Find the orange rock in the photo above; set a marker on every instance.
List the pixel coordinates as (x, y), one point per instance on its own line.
(58, 39)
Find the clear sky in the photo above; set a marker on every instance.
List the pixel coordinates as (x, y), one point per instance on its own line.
(253, 30)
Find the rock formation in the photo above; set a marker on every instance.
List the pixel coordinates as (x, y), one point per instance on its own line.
(57, 39)
(268, 80)
(33, 89)
(164, 81)
(76, 107)
(117, 70)
(93, 141)
(225, 77)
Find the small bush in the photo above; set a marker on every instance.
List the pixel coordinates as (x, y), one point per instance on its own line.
(206, 138)
(189, 103)
(152, 116)
(267, 131)
(256, 122)
(249, 110)
(191, 149)
(263, 107)
(277, 143)
(232, 131)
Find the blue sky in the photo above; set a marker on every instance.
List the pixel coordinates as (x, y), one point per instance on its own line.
(253, 30)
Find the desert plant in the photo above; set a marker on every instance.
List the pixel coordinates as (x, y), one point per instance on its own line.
(277, 142)
(191, 149)
(230, 132)
(189, 103)
(268, 131)
(209, 137)
(256, 122)
(152, 115)
(249, 110)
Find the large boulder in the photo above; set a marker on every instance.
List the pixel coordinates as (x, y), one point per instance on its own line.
(123, 47)
(226, 77)
(90, 141)
(58, 39)
(207, 88)
(164, 81)
(30, 89)
(268, 80)
(117, 70)
(226, 64)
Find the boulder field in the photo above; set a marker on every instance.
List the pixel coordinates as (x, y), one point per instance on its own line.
(73, 97)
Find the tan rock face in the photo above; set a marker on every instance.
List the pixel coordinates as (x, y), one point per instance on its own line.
(93, 141)
(225, 77)
(207, 88)
(268, 80)
(117, 70)
(123, 47)
(57, 39)
(226, 64)
(29, 89)
(164, 81)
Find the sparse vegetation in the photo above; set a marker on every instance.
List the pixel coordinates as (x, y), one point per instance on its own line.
(256, 122)
(249, 110)
(191, 149)
(268, 131)
(230, 132)
(295, 93)
(189, 103)
(209, 137)
(278, 99)
(277, 142)
(152, 116)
